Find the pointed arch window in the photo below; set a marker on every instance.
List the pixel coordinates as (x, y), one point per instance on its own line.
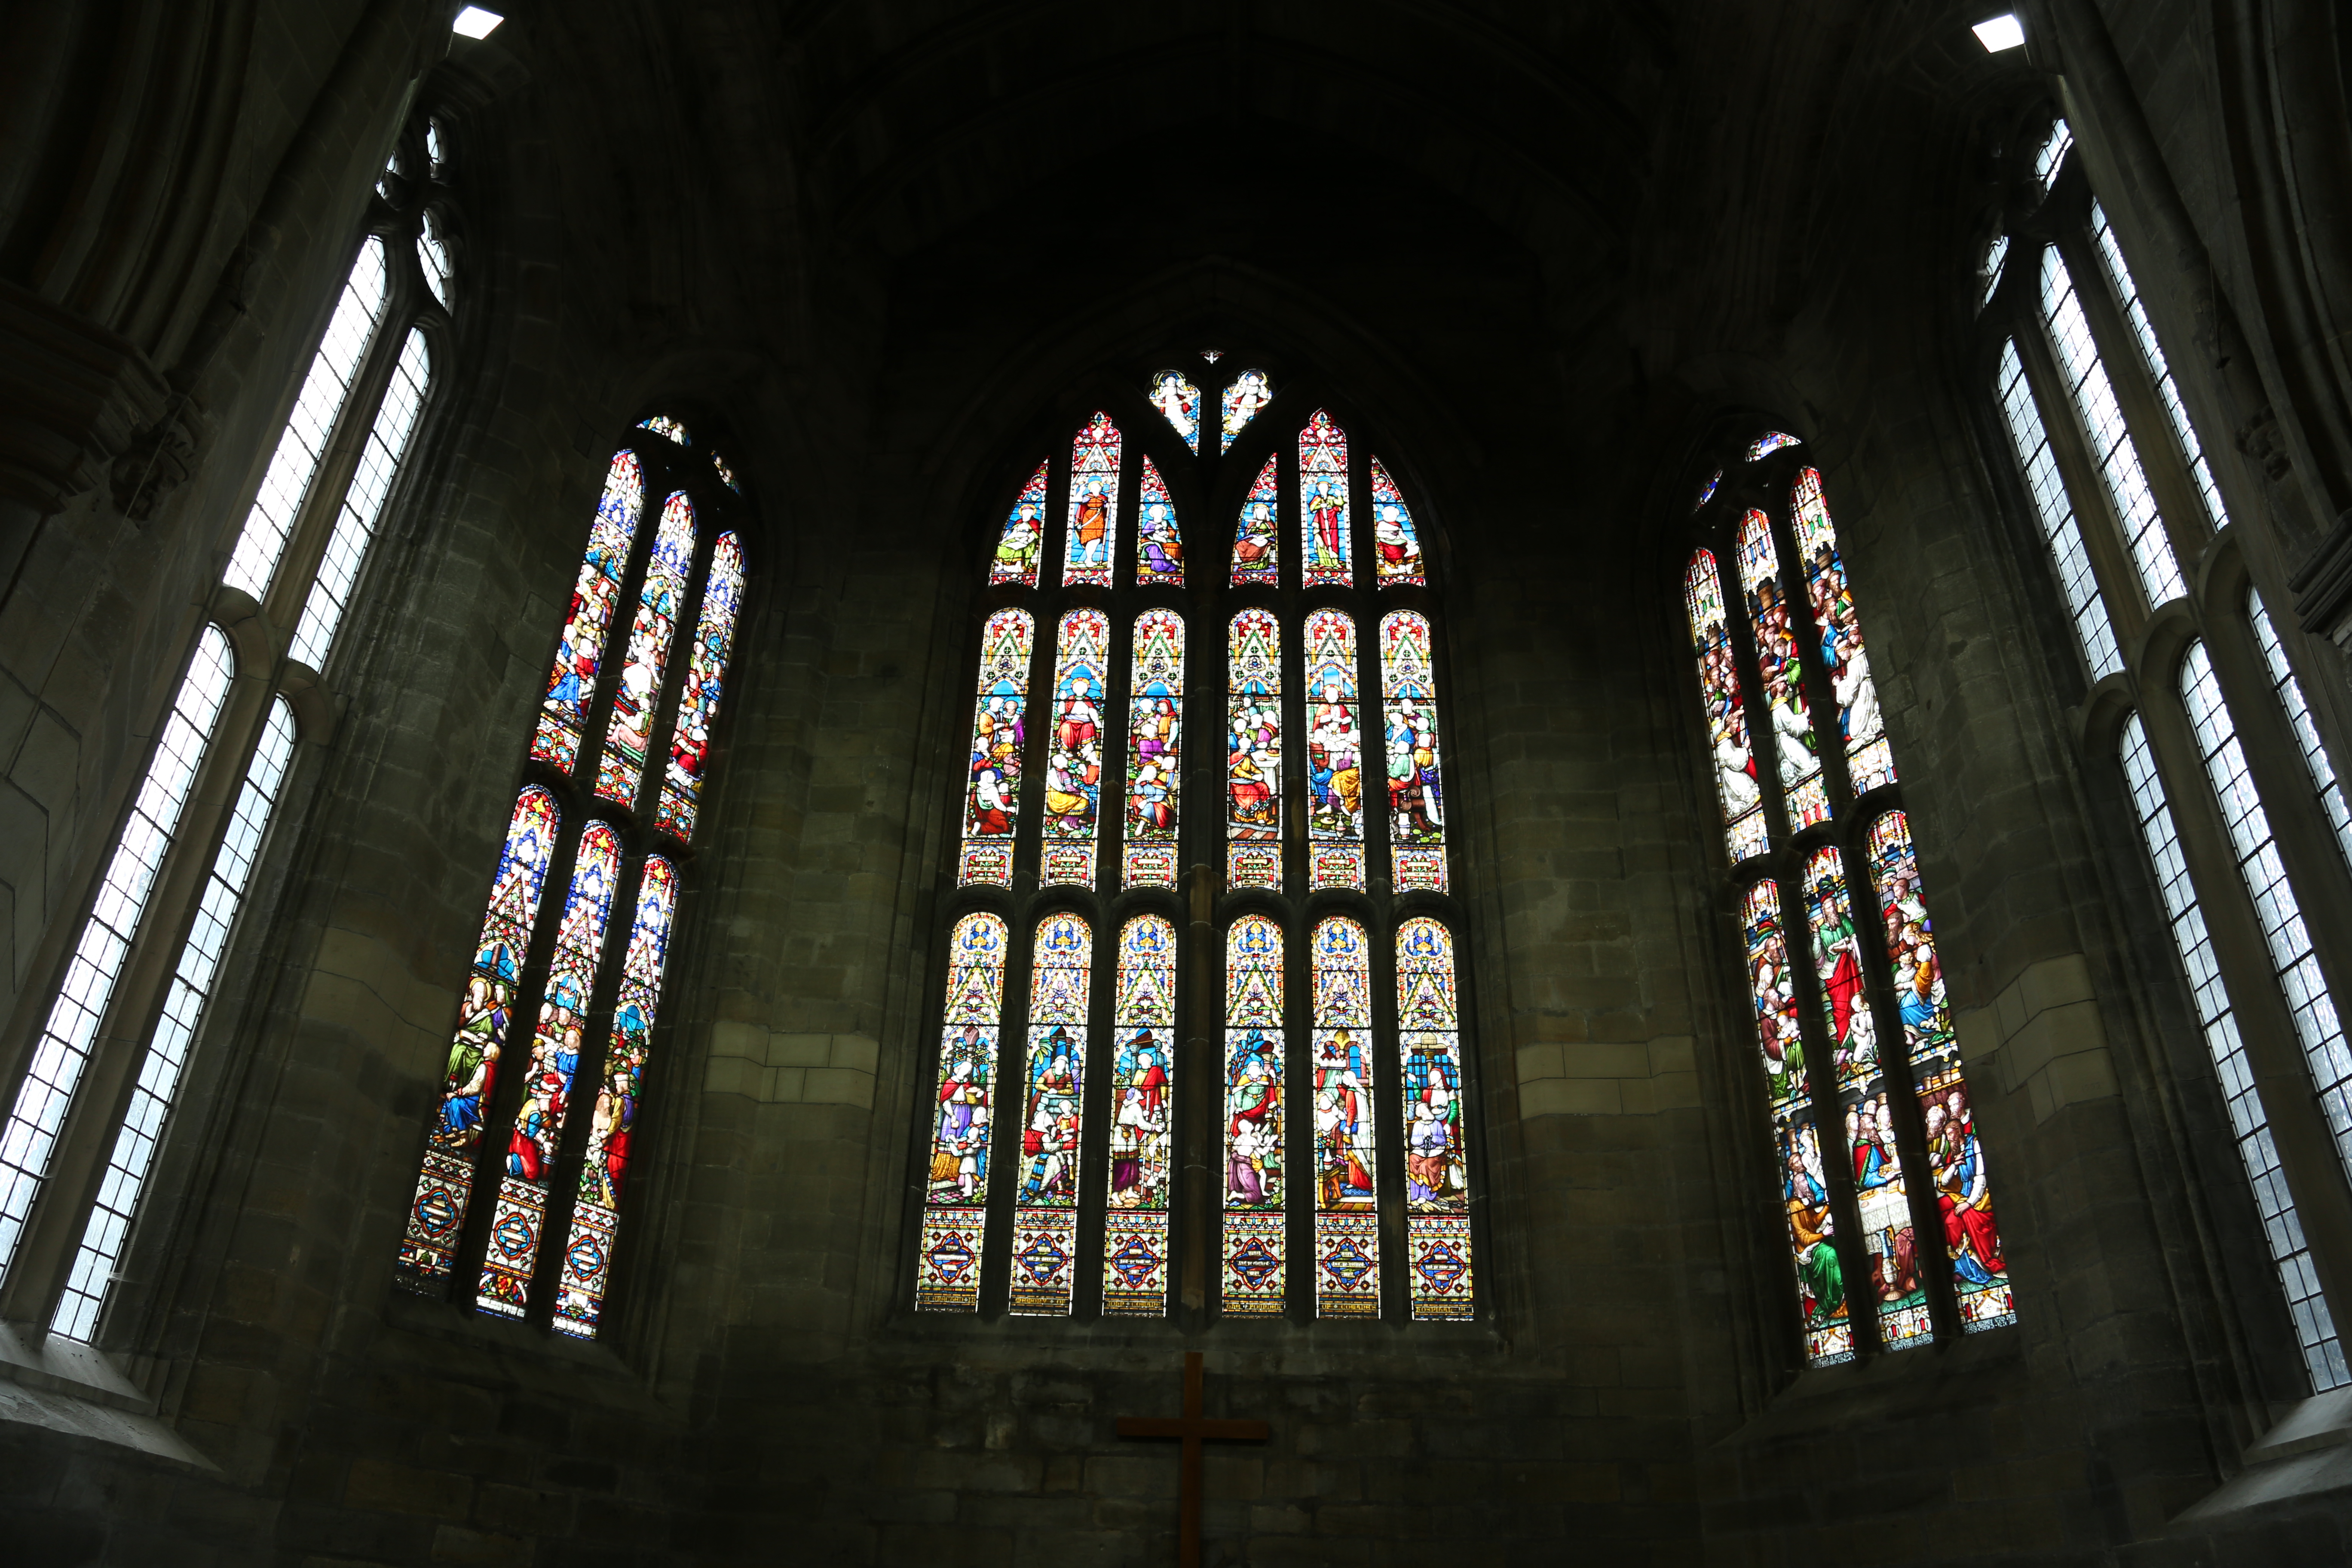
(91, 1093)
(2238, 808)
(552, 1063)
(1342, 1111)
(1890, 1225)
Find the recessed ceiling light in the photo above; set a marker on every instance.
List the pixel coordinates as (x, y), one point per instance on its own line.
(473, 22)
(2000, 33)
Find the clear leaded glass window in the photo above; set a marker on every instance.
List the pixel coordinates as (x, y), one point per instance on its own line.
(2215, 748)
(1175, 698)
(1891, 1228)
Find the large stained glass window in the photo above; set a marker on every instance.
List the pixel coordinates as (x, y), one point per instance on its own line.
(1045, 1190)
(1254, 751)
(1836, 931)
(1384, 1076)
(962, 1102)
(991, 787)
(1335, 754)
(1155, 754)
(1253, 1243)
(1347, 1212)
(1143, 1115)
(532, 1085)
(1436, 1123)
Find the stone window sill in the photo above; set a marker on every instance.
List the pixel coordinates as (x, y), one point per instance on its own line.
(61, 1386)
(1890, 1387)
(2307, 1453)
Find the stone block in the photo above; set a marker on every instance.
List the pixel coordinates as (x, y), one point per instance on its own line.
(1570, 1097)
(799, 1051)
(840, 1086)
(404, 1488)
(456, 1544)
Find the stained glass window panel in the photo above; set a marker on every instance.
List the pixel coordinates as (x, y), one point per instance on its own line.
(1707, 492)
(1347, 1209)
(1782, 673)
(628, 730)
(1862, 726)
(1256, 533)
(2053, 153)
(1074, 767)
(1804, 1183)
(355, 519)
(698, 700)
(1052, 1088)
(1996, 261)
(1155, 734)
(663, 425)
(1726, 718)
(1956, 1157)
(68, 1033)
(1244, 395)
(92, 1277)
(1251, 1244)
(1396, 543)
(520, 1218)
(1179, 401)
(1254, 751)
(1094, 504)
(1158, 542)
(955, 1186)
(1326, 546)
(2298, 1275)
(2055, 508)
(726, 474)
(1335, 754)
(571, 684)
(253, 561)
(1896, 1285)
(1143, 1110)
(433, 257)
(992, 793)
(613, 1119)
(2316, 1023)
(1436, 1123)
(1024, 539)
(1767, 444)
(444, 1187)
(2111, 437)
(1414, 760)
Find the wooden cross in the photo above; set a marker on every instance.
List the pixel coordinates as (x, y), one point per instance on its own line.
(1193, 1430)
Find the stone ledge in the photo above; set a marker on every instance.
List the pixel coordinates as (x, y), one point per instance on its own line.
(61, 1386)
(775, 1068)
(1602, 1078)
(2308, 1453)
(2043, 1033)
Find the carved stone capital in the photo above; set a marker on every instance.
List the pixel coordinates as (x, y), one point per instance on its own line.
(74, 398)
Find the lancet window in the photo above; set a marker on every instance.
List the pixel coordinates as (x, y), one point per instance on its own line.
(527, 1174)
(1115, 872)
(2195, 706)
(92, 1092)
(1890, 1227)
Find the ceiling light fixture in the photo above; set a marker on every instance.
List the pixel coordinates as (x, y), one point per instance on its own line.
(1998, 33)
(473, 22)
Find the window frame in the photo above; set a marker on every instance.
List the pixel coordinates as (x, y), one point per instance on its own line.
(257, 632)
(2153, 642)
(1208, 490)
